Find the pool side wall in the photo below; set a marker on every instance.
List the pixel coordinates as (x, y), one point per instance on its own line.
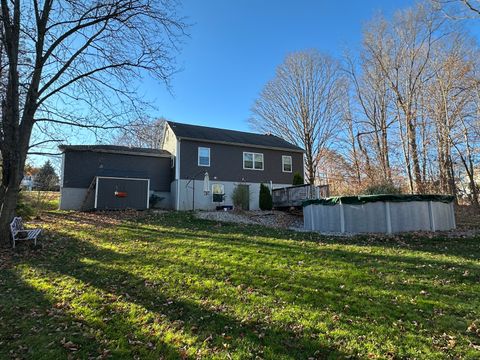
(380, 217)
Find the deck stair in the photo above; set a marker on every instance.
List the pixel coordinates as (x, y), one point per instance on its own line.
(89, 192)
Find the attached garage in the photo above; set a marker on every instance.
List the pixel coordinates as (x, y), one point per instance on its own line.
(115, 193)
(110, 177)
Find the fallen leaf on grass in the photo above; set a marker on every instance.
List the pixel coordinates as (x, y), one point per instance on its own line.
(474, 328)
(69, 345)
(209, 338)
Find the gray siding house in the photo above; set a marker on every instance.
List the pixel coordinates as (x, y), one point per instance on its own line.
(192, 158)
(230, 158)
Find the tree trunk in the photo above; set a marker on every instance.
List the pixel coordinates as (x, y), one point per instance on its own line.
(310, 169)
(12, 173)
(441, 158)
(406, 153)
(8, 212)
(386, 156)
(310, 163)
(452, 189)
(14, 154)
(474, 192)
(466, 158)
(356, 163)
(471, 177)
(412, 137)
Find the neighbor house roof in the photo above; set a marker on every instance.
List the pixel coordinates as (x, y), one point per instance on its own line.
(115, 149)
(210, 134)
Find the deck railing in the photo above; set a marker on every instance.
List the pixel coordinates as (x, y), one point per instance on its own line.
(296, 195)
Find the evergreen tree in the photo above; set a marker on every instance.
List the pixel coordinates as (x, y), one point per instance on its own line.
(265, 200)
(46, 178)
(297, 179)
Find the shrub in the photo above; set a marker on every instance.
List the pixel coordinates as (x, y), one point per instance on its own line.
(33, 203)
(154, 200)
(24, 208)
(241, 197)
(382, 188)
(297, 179)
(265, 198)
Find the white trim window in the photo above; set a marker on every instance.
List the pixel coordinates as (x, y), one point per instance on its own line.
(218, 192)
(252, 161)
(286, 163)
(203, 156)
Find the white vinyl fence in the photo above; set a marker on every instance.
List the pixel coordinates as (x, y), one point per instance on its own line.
(380, 217)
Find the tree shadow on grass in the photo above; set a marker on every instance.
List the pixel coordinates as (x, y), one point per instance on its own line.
(225, 246)
(371, 293)
(32, 326)
(435, 243)
(184, 224)
(241, 244)
(430, 285)
(227, 240)
(208, 326)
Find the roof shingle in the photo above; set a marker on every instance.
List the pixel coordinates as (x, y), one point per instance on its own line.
(115, 149)
(211, 134)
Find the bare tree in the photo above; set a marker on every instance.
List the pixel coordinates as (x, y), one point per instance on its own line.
(402, 51)
(145, 133)
(338, 172)
(302, 104)
(457, 9)
(352, 144)
(465, 137)
(447, 102)
(472, 5)
(74, 63)
(372, 95)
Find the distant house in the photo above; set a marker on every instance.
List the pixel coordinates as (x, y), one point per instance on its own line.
(197, 168)
(28, 182)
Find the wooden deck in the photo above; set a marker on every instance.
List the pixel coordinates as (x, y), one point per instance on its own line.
(294, 196)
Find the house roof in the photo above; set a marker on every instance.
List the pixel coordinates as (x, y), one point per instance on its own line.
(115, 149)
(210, 134)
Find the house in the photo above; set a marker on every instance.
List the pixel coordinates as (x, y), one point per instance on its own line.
(230, 158)
(27, 182)
(197, 167)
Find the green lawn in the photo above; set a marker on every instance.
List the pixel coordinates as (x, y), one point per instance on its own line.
(34, 203)
(169, 286)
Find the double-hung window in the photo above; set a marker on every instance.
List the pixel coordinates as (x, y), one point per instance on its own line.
(286, 163)
(252, 161)
(203, 156)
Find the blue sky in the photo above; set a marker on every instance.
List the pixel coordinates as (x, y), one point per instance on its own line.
(235, 46)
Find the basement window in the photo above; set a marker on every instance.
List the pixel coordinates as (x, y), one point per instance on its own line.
(218, 192)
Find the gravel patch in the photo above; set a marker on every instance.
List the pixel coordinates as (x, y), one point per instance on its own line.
(275, 219)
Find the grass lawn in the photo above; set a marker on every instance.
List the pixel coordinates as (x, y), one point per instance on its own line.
(34, 203)
(170, 286)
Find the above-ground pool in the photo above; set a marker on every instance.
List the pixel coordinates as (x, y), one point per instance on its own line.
(379, 214)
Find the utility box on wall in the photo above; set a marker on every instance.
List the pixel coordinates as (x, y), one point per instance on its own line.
(113, 193)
